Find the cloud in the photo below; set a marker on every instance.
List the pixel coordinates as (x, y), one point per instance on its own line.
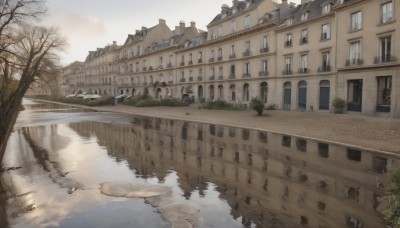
(76, 26)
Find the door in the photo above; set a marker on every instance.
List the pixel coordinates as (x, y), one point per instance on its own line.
(302, 101)
(287, 96)
(324, 95)
(354, 95)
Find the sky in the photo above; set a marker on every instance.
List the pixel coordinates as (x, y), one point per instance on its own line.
(89, 24)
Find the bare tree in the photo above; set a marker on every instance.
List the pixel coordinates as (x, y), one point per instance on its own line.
(28, 53)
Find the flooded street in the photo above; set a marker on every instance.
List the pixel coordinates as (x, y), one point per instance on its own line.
(71, 167)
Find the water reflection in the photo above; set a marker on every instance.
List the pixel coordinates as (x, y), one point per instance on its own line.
(235, 177)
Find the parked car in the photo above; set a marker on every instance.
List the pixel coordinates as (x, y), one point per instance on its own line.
(120, 98)
(70, 95)
(82, 95)
(91, 97)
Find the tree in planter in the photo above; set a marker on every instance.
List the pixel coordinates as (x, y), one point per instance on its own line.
(258, 105)
(339, 104)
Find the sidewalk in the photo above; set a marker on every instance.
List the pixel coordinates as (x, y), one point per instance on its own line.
(370, 132)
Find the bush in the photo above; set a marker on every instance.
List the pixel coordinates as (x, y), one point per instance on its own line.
(339, 105)
(271, 107)
(148, 103)
(170, 102)
(219, 105)
(257, 105)
(392, 210)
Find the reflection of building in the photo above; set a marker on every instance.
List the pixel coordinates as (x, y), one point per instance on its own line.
(262, 175)
(296, 57)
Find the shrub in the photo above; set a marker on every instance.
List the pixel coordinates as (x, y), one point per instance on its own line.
(257, 105)
(219, 105)
(339, 105)
(271, 107)
(169, 102)
(148, 103)
(392, 210)
(202, 100)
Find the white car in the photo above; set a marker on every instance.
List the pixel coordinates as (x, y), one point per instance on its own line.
(71, 95)
(82, 95)
(91, 97)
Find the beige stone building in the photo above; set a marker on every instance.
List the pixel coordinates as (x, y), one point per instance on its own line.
(294, 57)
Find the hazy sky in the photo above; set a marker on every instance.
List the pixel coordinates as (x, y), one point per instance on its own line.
(88, 24)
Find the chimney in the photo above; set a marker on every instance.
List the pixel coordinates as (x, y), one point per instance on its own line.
(284, 2)
(235, 3)
(193, 24)
(161, 21)
(143, 28)
(114, 42)
(292, 5)
(224, 9)
(98, 49)
(182, 24)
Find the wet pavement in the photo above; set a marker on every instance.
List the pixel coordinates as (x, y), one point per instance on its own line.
(72, 167)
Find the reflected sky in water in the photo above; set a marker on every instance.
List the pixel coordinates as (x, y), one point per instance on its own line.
(58, 155)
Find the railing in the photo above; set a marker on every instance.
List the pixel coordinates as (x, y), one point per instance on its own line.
(199, 78)
(190, 79)
(246, 53)
(232, 56)
(182, 80)
(264, 50)
(211, 60)
(385, 59)
(232, 76)
(169, 65)
(160, 67)
(303, 40)
(288, 43)
(354, 62)
(219, 58)
(303, 70)
(170, 82)
(287, 72)
(145, 83)
(144, 68)
(200, 61)
(324, 68)
(182, 64)
(211, 78)
(325, 36)
(190, 62)
(220, 77)
(246, 75)
(263, 73)
(151, 68)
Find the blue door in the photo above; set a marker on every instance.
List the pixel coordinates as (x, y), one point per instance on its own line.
(324, 97)
(287, 99)
(302, 98)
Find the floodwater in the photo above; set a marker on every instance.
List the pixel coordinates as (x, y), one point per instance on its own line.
(58, 157)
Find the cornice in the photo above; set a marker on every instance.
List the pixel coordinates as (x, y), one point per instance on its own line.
(307, 22)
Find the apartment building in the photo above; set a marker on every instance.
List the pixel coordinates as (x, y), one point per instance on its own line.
(294, 57)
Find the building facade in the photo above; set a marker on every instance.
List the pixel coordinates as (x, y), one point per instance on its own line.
(294, 57)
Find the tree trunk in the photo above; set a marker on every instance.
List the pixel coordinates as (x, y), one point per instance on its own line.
(6, 127)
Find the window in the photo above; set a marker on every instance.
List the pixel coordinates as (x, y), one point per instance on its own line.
(326, 32)
(247, 68)
(384, 93)
(264, 65)
(200, 57)
(304, 16)
(326, 65)
(220, 52)
(326, 8)
(247, 21)
(264, 42)
(385, 50)
(289, 21)
(288, 40)
(232, 52)
(288, 65)
(247, 46)
(212, 72)
(182, 60)
(213, 36)
(161, 61)
(304, 36)
(387, 12)
(233, 26)
(200, 72)
(356, 21)
(170, 60)
(355, 53)
(304, 63)
(220, 31)
(220, 73)
(232, 71)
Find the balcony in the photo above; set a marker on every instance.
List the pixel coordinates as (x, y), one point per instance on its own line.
(220, 77)
(211, 78)
(160, 67)
(182, 64)
(144, 68)
(145, 83)
(385, 59)
(288, 43)
(264, 50)
(190, 79)
(246, 75)
(190, 62)
(200, 61)
(151, 68)
(354, 62)
(246, 53)
(232, 56)
(211, 60)
(170, 82)
(199, 78)
(324, 68)
(232, 76)
(263, 73)
(219, 58)
(182, 80)
(325, 36)
(303, 70)
(303, 40)
(287, 72)
(169, 65)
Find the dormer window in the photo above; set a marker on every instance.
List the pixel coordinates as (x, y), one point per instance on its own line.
(326, 8)
(247, 21)
(289, 21)
(304, 16)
